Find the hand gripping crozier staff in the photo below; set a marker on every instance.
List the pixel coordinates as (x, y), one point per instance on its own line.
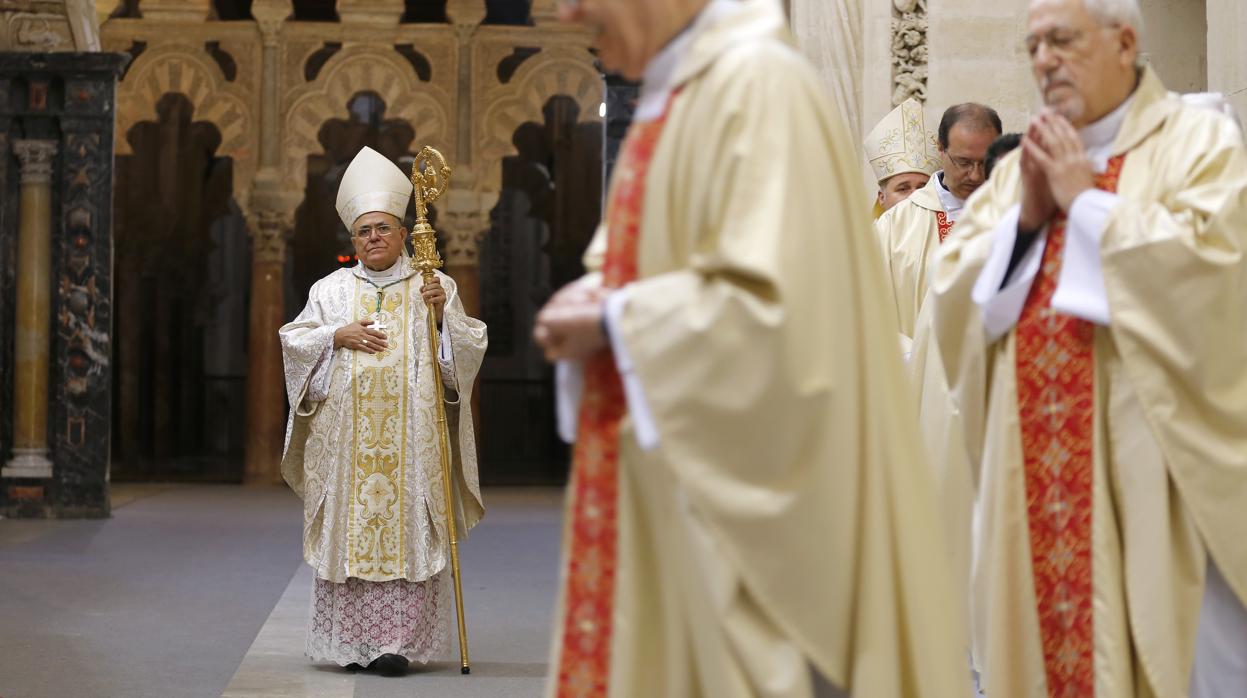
(363, 448)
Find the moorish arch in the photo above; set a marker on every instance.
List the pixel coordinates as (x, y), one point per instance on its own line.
(173, 69)
(355, 69)
(551, 73)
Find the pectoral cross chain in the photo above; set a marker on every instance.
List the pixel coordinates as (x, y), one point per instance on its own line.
(380, 325)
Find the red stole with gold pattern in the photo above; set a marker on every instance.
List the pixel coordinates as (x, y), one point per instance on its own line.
(584, 658)
(943, 225)
(1056, 407)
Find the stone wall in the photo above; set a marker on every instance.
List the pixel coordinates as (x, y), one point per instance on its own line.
(974, 52)
(1175, 42)
(1227, 52)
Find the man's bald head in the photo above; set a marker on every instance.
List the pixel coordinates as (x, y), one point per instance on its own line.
(1084, 54)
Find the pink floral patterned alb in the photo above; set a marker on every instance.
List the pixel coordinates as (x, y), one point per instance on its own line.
(359, 621)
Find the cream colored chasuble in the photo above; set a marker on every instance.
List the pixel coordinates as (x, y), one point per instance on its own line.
(1169, 458)
(777, 522)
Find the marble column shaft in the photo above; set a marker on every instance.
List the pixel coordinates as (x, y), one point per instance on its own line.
(34, 319)
(265, 379)
(270, 227)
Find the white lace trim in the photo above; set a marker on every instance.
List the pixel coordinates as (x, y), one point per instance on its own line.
(358, 621)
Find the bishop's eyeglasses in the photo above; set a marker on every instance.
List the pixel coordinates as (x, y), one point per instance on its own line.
(381, 229)
(966, 165)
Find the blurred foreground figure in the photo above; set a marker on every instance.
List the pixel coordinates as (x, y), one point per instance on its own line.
(1089, 312)
(745, 516)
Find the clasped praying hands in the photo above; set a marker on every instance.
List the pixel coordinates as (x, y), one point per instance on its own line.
(1055, 169)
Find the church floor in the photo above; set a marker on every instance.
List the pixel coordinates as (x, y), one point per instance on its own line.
(195, 590)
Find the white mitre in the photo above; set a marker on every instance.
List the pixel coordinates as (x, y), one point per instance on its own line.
(901, 143)
(372, 183)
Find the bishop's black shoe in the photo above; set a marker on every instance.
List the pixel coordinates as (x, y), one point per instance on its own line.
(354, 667)
(390, 665)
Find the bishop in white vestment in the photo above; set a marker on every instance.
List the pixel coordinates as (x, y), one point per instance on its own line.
(362, 442)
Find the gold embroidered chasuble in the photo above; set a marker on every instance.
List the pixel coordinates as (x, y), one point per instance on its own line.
(362, 445)
(780, 523)
(1169, 425)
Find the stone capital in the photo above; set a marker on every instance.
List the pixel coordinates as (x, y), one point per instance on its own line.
(463, 217)
(465, 13)
(271, 16)
(36, 160)
(270, 232)
(270, 216)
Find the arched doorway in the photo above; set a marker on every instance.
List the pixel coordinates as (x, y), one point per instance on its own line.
(547, 210)
(182, 257)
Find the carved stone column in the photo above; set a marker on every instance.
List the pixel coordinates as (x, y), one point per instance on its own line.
(34, 318)
(463, 220)
(266, 416)
(271, 222)
(909, 51)
(461, 217)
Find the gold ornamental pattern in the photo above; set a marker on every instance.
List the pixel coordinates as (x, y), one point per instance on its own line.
(378, 477)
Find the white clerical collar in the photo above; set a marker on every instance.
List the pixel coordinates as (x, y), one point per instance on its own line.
(1098, 138)
(657, 83)
(394, 273)
(948, 200)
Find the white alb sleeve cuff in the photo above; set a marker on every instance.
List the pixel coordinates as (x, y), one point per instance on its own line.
(1001, 303)
(444, 351)
(569, 386)
(1080, 286)
(446, 359)
(638, 408)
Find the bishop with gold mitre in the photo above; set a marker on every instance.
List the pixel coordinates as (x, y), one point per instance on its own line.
(902, 154)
